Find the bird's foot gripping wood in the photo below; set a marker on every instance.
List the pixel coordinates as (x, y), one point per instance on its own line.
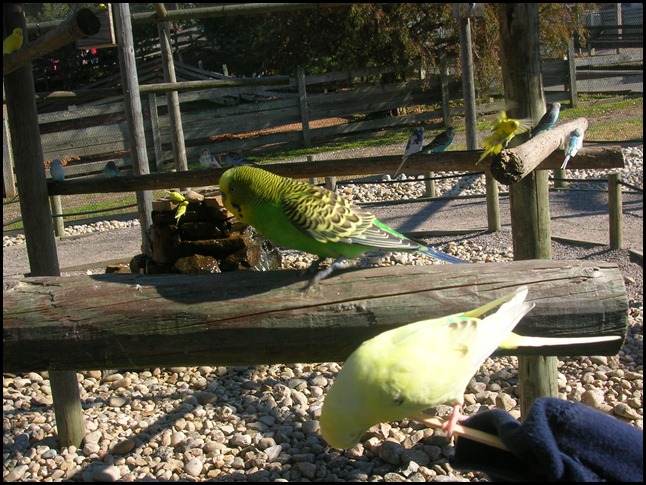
(455, 418)
(339, 263)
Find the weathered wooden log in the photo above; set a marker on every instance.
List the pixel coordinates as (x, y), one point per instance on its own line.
(512, 165)
(245, 317)
(588, 157)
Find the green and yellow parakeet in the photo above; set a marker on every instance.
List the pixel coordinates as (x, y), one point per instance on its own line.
(502, 131)
(13, 42)
(297, 215)
(401, 372)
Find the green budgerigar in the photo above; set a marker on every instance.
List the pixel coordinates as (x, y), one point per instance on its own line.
(401, 372)
(297, 215)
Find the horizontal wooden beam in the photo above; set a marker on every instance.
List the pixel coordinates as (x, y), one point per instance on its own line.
(133, 321)
(458, 161)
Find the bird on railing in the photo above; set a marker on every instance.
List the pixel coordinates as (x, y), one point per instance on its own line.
(111, 170)
(297, 215)
(235, 159)
(395, 374)
(440, 143)
(56, 170)
(574, 144)
(13, 42)
(502, 131)
(413, 145)
(207, 160)
(548, 120)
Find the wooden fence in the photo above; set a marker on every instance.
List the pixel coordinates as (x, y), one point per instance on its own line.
(281, 113)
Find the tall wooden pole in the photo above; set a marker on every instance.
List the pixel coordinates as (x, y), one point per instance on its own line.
(134, 115)
(36, 214)
(172, 98)
(529, 198)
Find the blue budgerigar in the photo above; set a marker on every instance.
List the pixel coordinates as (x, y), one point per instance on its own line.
(111, 170)
(548, 120)
(236, 159)
(56, 170)
(574, 144)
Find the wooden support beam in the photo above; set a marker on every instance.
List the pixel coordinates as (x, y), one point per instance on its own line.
(513, 164)
(588, 157)
(133, 321)
(81, 24)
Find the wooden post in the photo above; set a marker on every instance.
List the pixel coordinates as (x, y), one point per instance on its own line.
(302, 100)
(529, 198)
(493, 203)
(57, 215)
(615, 210)
(156, 131)
(34, 207)
(172, 100)
(313, 180)
(571, 62)
(470, 114)
(134, 115)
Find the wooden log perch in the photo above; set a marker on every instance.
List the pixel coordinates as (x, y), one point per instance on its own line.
(133, 321)
(512, 165)
(587, 158)
(83, 23)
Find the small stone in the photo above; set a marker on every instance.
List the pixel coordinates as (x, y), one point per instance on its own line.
(193, 467)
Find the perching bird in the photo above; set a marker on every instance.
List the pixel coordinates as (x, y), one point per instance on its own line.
(207, 160)
(297, 215)
(503, 130)
(574, 144)
(235, 159)
(13, 42)
(403, 371)
(548, 120)
(111, 170)
(56, 170)
(439, 144)
(413, 145)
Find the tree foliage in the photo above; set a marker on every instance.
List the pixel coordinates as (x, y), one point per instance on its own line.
(374, 34)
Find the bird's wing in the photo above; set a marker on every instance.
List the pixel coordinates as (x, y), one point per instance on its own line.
(328, 217)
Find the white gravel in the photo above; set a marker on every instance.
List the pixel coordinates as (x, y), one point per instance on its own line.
(260, 423)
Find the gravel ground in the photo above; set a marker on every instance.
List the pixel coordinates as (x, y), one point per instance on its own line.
(260, 423)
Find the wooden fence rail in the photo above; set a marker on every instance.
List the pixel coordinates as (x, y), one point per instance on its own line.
(246, 317)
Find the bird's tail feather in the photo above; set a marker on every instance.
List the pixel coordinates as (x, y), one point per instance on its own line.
(439, 255)
(567, 159)
(514, 341)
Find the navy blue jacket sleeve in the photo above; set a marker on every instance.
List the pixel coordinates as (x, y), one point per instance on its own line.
(559, 441)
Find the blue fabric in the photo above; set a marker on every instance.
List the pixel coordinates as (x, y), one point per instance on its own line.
(560, 441)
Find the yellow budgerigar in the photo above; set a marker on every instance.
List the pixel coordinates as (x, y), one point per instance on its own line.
(13, 42)
(502, 131)
(401, 372)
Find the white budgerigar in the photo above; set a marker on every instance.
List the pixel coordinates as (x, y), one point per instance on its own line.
(207, 160)
(56, 170)
(574, 143)
(414, 145)
(401, 372)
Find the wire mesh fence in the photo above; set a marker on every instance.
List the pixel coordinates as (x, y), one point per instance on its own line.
(86, 133)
